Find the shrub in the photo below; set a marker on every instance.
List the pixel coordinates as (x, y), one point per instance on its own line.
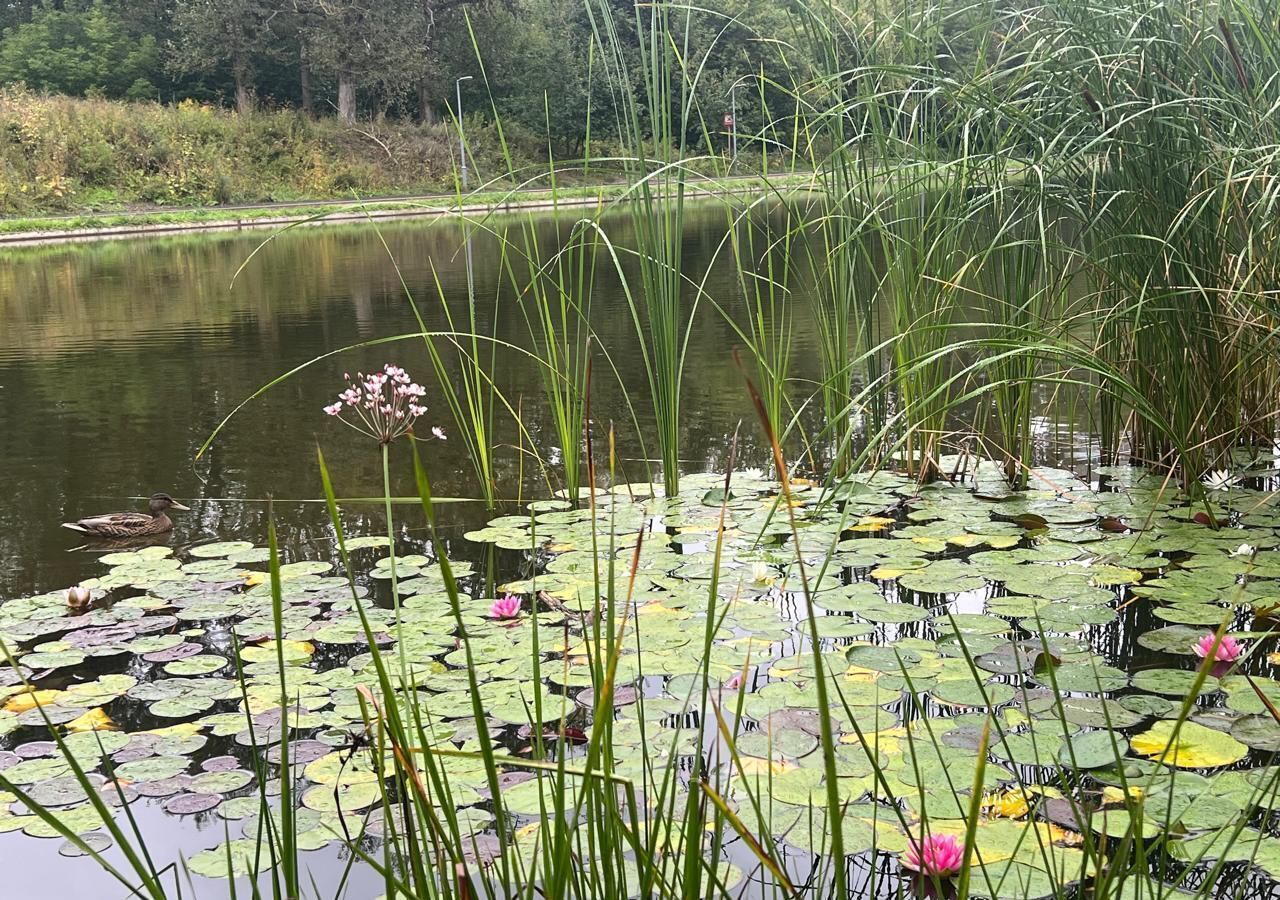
(59, 153)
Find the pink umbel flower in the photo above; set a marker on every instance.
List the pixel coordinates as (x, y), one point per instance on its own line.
(383, 405)
(938, 856)
(1228, 650)
(507, 607)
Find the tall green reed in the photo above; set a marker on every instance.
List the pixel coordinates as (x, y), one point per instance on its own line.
(654, 113)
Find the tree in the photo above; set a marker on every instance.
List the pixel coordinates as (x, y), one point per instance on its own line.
(77, 48)
(212, 33)
(375, 46)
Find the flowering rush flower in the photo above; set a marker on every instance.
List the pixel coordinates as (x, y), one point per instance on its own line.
(1229, 649)
(938, 856)
(507, 607)
(383, 405)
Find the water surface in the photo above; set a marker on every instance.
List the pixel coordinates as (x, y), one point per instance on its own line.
(118, 360)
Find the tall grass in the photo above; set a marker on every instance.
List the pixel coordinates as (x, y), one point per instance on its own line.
(654, 114)
(974, 166)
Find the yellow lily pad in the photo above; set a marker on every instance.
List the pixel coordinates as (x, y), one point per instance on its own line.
(1188, 746)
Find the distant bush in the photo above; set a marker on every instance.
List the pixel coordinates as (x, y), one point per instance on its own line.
(61, 154)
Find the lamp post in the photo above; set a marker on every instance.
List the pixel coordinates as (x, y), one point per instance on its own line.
(733, 111)
(733, 117)
(462, 144)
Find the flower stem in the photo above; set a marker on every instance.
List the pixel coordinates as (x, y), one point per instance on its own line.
(395, 578)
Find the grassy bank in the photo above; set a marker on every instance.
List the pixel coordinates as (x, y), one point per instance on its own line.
(42, 229)
(62, 155)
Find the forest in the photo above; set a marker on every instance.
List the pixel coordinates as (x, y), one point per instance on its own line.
(530, 62)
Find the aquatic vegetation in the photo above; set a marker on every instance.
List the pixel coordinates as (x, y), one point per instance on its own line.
(654, 107)
(944, 632)
(78, 598)
(505, 607)
(1220, 480)
(937, 856)
(1224, 649)
(934, 650)
(383, 405)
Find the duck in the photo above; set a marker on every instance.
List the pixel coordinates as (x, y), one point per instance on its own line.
(130, 524)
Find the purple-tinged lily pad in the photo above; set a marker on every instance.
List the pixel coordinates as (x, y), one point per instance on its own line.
(36, 749)
(220, 764)
(173, 654)
(98, 637)
(622, 696)
(188, 804)
(117, 795)
(164, 787)
(131, 754)
(300, 752)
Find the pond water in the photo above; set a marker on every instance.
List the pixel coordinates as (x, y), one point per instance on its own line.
(117, 361)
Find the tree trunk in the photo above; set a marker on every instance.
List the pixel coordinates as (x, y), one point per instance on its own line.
(426, 112)
(244, 97)
(346, 99)
(304, 78)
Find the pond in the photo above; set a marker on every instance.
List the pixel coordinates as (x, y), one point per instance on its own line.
(119, 359)
(117, 362)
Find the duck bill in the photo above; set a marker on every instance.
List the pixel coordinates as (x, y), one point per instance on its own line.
(177, 505)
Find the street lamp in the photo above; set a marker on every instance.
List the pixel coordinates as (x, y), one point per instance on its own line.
(462, 144)
(733, 117)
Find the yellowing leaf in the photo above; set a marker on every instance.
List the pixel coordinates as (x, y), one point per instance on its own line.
(93, 720)
(1188, 746)
(20, 703)
(872, 523)
(753, 765)
(858, 673)
(182, 729)
(1012, 804)
(253, 579)
(887, 573)
(1112, 794)
(294, 651)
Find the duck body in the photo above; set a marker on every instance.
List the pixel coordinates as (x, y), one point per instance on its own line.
(130, 524)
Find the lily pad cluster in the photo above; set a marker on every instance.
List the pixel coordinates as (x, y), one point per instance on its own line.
(968, 641)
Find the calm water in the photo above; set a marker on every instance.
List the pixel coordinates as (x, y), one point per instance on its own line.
(117, 361)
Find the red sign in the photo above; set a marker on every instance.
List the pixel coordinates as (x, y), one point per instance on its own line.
(728, 122)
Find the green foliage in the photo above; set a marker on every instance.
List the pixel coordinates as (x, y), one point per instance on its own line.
(63, 154)
(80, 49)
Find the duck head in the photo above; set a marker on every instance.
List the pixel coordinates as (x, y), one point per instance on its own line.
(160, 503)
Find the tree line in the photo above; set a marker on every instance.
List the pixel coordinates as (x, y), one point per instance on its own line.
(532, 62)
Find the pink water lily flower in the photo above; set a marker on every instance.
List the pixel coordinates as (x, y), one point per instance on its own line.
(939, 856)
(507, 607)
(1228, 650)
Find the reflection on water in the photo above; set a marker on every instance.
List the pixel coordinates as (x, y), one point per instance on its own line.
(117, 360)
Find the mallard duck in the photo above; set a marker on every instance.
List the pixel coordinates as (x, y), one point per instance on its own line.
(129, 524)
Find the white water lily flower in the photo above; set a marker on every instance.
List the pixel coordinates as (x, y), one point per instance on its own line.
(1220, 480)
(1243, 550)
(763, 574)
